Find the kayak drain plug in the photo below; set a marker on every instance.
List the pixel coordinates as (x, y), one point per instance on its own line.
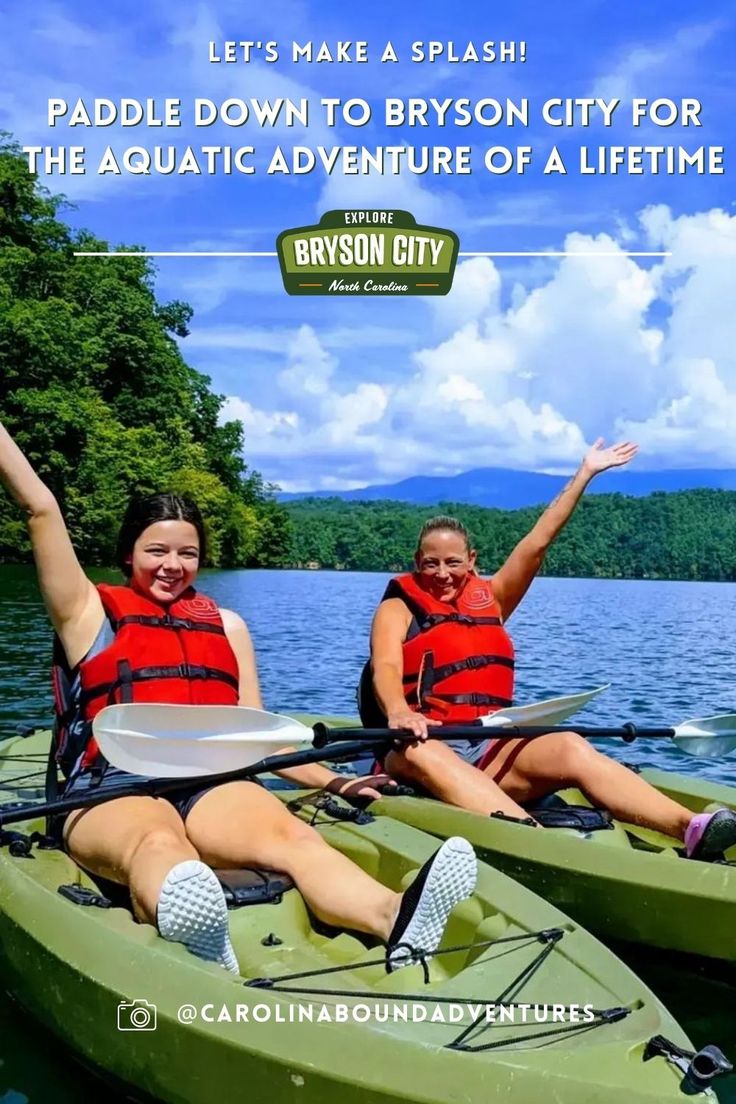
(271, 940)
(699, 1069)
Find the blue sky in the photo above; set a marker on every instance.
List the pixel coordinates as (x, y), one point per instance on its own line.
(526, 359)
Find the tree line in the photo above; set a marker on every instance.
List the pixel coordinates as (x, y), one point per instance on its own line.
(96, 392)
(681, 535)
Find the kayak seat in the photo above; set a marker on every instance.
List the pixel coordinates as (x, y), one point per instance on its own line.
(246, 886)
(252, 886)
(552, 811)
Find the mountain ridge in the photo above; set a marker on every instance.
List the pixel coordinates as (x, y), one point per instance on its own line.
(511, 489)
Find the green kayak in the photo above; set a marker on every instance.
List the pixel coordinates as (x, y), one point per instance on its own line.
(161, 1021)
(621, 881)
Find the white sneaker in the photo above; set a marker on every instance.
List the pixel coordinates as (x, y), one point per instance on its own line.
(446, 879)
(192, 910)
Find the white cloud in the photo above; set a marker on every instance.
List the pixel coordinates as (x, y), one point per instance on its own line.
(327, 423)
(310, 368)
(636, 72)
(279, 423)
(606, 345)
(279, 340)
(475, 291)
(692, 421)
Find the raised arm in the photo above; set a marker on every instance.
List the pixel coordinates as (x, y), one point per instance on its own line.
(512, 580)
(71, 599)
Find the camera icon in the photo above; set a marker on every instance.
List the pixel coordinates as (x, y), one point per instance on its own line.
(136, 1015)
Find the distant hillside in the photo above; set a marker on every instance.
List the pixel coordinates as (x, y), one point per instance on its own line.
(687, 535)
(506, 489)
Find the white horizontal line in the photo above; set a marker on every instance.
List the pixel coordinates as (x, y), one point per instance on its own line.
(570, 253)
(484, 253)
(164, 253)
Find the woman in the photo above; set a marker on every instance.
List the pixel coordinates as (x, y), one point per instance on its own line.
(440, 654)
(159, 640)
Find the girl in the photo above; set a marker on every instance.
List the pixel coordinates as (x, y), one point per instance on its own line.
(157, 639)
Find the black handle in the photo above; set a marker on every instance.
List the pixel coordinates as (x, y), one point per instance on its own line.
(324, 734)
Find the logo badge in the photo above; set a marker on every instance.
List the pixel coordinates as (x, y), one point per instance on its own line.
(367, 252)
(478, 597)
(200, 607)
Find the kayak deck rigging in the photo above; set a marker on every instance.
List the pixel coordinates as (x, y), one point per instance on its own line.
(547, 938)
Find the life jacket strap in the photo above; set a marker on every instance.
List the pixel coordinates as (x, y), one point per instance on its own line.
(431, 620)
(166, 622)
(126, 677)
(469, 699)
(432, 675)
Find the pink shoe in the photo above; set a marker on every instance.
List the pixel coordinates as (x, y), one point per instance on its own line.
(708, 835)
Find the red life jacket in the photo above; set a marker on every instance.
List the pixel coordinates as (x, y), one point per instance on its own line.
(177, 654)
(459, 660)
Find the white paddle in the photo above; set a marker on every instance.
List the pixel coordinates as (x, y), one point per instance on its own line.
(181, 741)
(551, 711)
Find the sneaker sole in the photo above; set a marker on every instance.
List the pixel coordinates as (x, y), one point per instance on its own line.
(451, 880)
(192, 910)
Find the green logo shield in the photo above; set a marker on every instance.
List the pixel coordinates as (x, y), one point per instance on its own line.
(367, 252)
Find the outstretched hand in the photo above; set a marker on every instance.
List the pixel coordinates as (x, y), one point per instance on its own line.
(598, 459)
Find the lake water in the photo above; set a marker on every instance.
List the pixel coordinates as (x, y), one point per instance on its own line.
(665, 647)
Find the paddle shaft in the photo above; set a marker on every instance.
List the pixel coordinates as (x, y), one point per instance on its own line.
(323, 734)
(157, 787)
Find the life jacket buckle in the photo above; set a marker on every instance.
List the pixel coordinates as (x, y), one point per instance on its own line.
(188, 671)
(174, 622)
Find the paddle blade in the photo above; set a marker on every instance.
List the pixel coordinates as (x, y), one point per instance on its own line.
(179, 741)
(708, 737)
(552, 711)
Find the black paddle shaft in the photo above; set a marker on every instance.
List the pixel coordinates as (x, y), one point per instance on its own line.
(324, 735)
(156, 787)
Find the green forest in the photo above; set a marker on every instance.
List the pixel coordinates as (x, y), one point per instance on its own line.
(96, 392)
(685, 535)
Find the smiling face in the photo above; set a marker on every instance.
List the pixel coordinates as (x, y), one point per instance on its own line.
(443, 561)
(165, 560)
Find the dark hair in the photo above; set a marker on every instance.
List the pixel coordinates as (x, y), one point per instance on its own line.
(446, 524)
(142, 512)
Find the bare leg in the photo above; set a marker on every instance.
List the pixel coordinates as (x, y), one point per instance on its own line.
(131, 840)
(448, 777)
(561, 759)
(241, 823)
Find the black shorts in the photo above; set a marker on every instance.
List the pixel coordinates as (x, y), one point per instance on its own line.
(113, 778)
